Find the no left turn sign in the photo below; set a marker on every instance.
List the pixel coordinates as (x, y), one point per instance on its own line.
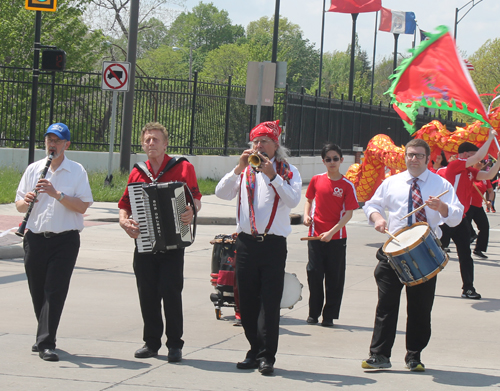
(115, 76)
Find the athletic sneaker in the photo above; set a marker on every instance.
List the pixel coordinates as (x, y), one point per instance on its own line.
(479, 254)
(415, 366)
(471, 294)
(376, 361)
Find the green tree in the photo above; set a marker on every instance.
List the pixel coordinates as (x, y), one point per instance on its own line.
(336, 73)
(204, 29)
(299, 53)
(64, 29)
(227, 60)
(163, 62)
(486, 73)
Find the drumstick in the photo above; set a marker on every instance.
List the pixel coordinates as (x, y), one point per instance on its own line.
(391, 235)
(481, 194)
(311, 238)
(422, 206)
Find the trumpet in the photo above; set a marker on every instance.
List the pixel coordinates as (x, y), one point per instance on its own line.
(254, 159)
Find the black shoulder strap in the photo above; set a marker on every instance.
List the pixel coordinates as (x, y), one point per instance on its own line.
(144, 168)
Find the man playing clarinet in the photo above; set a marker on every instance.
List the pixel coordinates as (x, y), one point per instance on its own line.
(160, 276)
(52, 241)
(401, 194)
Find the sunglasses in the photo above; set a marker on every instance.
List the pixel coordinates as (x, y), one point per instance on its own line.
(335, 159)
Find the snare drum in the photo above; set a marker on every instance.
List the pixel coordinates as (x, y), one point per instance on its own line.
(292, 291)
(418, 256)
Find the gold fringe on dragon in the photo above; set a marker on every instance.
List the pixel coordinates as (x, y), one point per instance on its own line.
(382, 158)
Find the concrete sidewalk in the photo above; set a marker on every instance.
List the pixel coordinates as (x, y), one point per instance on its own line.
(101, 325)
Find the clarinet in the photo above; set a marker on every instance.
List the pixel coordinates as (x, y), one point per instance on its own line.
(22, 227)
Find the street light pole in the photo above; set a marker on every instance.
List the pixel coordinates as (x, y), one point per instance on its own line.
(457, 10)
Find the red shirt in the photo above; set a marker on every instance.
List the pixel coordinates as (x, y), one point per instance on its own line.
(180, 172)
(441, 172)
(483, 185)
(461, 178)
(331, 200)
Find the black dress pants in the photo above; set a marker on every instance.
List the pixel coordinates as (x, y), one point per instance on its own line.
(460, 235)
(49, 264)
(260, 273)
(479, 216)
(420, 299)
(326, 264)
(160, 277)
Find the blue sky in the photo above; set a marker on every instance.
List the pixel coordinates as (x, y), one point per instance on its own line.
(480, 23)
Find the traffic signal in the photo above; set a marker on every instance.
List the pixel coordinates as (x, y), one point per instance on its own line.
(41, 5)
(53, 60)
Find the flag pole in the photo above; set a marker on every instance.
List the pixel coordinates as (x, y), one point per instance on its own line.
(395, 62)
(353, 47)
(321, 50)
(374, 51)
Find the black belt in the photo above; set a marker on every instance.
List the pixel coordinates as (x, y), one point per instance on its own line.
(49, 235)
(257, 238)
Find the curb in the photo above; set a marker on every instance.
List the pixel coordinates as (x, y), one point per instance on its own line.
(13, 251)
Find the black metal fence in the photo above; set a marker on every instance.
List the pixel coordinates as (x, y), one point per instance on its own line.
(202, 117)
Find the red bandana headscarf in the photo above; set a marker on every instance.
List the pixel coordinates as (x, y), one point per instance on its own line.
(270, 129)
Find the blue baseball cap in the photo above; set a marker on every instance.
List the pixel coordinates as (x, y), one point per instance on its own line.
(60, 130)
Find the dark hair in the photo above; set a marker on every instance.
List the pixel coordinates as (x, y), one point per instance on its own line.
(330, 147)
(444, 162)
(417, 142)
(467, 147)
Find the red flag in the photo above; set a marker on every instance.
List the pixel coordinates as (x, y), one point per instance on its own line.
(355, 6)
(435, 77)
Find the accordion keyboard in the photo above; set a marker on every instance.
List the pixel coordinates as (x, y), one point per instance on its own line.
(142, 214)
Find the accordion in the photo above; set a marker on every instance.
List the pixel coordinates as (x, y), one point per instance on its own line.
(157, 208)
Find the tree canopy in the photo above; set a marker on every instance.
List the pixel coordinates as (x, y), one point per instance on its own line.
(64, 29)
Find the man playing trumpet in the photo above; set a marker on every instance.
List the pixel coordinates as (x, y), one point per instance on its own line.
(266, 195)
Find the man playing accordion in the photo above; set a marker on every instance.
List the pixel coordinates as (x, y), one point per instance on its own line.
(160, 276)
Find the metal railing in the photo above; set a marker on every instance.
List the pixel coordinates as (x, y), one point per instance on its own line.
(201, 117)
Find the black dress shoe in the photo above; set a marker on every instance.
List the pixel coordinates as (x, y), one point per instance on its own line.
(327, 323)
(265, 367)
(145, 352)
(174, 355)
(311, 320)
(48, 355)
(34, 348)
(248, 363)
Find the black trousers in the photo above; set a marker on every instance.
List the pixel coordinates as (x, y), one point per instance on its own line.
(481, 219)
(326, 263)
(260, 273)
(49, 264)
(419, 299)
(160, 277)
(460, 235)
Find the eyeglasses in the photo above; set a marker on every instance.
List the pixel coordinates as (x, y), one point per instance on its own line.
(56, 141)
(419, 156)
(335, 159)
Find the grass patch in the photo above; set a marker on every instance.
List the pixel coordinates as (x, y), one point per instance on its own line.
(9, 180)
(10, 177)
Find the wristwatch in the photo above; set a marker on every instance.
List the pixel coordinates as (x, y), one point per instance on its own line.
(61, 197)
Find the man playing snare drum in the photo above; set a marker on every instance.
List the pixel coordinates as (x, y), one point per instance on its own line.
(400, 194)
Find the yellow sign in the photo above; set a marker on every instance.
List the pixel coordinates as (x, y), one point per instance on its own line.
(41, 5)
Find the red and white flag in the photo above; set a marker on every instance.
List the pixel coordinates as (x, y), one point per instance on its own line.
(469, 66)
(355, 6)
